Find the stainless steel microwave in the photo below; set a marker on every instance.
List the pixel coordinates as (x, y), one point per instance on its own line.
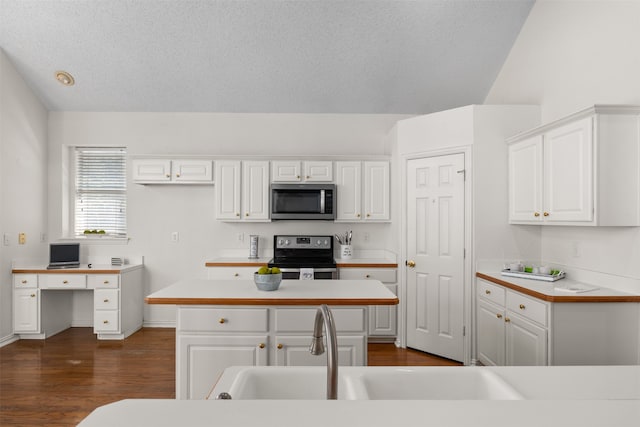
(303, 201)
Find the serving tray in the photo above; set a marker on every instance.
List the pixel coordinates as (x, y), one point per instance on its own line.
(534, 276)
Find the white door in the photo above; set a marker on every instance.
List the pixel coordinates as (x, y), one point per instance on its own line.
(435, 248)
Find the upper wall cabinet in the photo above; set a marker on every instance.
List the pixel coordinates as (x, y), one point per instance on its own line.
(363, 191)
(167, 171)
(242, 190)
(301, 171)
(581, 170)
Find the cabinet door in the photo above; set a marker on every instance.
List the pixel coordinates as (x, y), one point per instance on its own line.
(383, 319)
(294, 351)
(286, 171)
(255, 190)
(200, 360)
(376, 191)
(193, 171)
(526, 343)
(568, 172)
(227, 185)
(26, 310)
(490, 333)
(525, 181)
(318, 171)
(151, 170)
(349, 188)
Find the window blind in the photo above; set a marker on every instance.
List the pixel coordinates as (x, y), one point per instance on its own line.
(100, 190)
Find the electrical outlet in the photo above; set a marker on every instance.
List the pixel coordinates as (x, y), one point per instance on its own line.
(366, 237)
(575, 249)
(175, 237)
(240, 237)
(22, 238)
(43, 237)
(6, 239)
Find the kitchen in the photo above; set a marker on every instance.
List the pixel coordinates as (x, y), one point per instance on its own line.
(572, 70)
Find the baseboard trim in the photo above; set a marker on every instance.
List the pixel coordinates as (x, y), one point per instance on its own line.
(159, 324)
(8, 339)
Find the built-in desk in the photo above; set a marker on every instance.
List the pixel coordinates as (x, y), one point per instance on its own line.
(42, 300)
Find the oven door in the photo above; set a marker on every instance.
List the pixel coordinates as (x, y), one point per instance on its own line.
(318, 273)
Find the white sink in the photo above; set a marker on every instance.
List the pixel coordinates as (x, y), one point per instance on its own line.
(437, 383)
(365, 383)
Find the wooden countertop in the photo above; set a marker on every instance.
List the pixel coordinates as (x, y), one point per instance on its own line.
(83, 269)
(291, 292)
(546, 290)
(351, 263)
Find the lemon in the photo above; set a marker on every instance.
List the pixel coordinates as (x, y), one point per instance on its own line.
(263, 270)
(275, 270)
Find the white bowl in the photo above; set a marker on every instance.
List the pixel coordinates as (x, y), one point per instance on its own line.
(267, 282)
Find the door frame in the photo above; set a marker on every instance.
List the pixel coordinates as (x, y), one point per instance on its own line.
(469, 282)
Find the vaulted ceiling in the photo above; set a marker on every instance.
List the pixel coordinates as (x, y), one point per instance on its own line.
(263, 56)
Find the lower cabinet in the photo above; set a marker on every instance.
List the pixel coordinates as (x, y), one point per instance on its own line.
(211, 339)
(26, 310)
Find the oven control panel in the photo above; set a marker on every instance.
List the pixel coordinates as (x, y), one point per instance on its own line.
(303, 242)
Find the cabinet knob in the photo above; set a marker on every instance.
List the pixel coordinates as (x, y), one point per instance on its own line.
(368, 215)
(24, 281)
(177, 175)
(246, 214)
(106, 300)
(105, 322)
(487, 292)
(536, 214)
(33, 295)
(367, 276)
(522, 307)
(237, 213)
(168, 175)
(546, 214)
(297, 176)
(261, 345)
(65, 282)
(499, 316)
(106, 282)
(236, 274)
(222, 320)
(358, 215)
(307, 177)
(506, 319)
(280, 346)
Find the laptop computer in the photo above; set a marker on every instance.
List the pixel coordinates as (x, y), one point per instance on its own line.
(64, 255)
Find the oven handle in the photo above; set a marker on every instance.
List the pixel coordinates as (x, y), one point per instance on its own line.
(318, 270)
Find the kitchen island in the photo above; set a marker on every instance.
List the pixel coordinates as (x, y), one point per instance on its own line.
(221, 323)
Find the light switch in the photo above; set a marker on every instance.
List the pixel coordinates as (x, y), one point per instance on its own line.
(175, 237)
(22, 238)
(6, 239)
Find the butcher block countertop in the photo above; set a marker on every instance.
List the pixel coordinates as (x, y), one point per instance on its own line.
(83, 269)
(556, 291)
(341, 263)
(291, 292)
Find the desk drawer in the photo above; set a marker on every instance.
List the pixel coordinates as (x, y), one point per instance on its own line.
(62, 281)
(25, 280)
(527, 307)
(109, 281)
(106, 321)
(491, 292)
(223, 319)
(106, 299)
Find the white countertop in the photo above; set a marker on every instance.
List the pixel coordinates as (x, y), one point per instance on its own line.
(291, 292)
(585, 396)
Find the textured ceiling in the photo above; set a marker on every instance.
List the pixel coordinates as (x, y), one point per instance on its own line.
(267, 56)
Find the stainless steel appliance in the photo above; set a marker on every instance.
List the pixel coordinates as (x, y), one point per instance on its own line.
(294, 254)
(303, 201)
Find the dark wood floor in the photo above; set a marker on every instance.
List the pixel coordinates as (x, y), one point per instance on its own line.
(59, 381)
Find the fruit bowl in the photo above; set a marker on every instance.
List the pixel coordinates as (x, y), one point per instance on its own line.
(267, 282)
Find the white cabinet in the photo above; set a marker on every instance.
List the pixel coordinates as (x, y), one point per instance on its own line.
(301, 171)
(184, 171)
(26, 310)
(363, 191)
(242, 190)
(582, 170)
(236, 273)
(383, 319)
(511, 328)
(212, 338)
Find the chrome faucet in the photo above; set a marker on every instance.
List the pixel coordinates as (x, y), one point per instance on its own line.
(323, 315)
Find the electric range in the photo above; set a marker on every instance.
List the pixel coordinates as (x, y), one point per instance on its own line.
(304, 257)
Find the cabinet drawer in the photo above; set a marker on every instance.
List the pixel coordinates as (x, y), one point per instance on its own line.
(106, 321)
(223, 319)
(62, 281)
(490, 291)
(385, 275)
(106, 299)
(527, 307)
(109, 281)
(302, 319)
(245, 273)
(25, 280)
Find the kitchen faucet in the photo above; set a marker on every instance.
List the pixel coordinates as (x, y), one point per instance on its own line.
(323, 315)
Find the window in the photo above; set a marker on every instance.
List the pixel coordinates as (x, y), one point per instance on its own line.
(100, 186)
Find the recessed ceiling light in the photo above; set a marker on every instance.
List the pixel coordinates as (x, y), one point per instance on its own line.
(65, 78)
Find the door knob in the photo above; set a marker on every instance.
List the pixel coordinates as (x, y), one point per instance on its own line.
(411, 263)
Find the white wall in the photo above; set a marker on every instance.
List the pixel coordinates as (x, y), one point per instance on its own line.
(570, 55)
(23, 173)
(154, 211)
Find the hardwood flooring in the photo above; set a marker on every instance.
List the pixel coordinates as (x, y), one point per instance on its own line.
(60, 380)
